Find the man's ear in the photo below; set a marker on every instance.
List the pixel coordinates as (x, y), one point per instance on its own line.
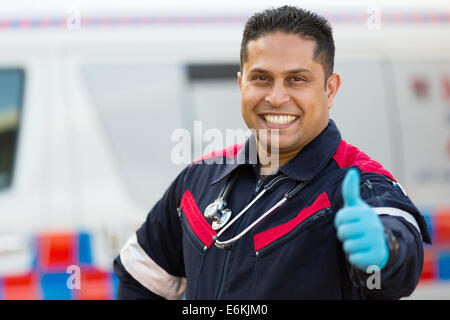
(332, 87)
(239, 75)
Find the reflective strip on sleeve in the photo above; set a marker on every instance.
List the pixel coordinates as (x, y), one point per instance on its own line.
(399, 213)
(148, 273)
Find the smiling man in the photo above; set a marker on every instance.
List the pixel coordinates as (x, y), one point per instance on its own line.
(287, 84)
(316, 227)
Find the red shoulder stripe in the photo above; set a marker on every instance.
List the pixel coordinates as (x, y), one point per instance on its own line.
(347, 156)
(229, 152)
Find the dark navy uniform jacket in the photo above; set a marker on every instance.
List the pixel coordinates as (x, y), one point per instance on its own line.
(293, 253)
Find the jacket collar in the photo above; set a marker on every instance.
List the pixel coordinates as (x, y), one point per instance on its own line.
(311, 160)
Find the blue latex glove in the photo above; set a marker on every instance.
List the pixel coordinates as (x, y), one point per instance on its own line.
(359, 227)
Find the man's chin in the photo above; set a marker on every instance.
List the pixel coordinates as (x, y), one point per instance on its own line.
(278, 146)
(275, 150)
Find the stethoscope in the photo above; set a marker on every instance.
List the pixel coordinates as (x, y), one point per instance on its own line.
(220, 214)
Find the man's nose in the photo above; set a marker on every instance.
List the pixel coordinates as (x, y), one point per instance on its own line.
(278, 95)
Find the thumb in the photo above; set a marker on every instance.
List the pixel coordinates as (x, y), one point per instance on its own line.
(350, 189)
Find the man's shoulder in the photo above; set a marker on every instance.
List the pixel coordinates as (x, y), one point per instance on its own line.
(347, 156)
(219, 156)
(213, 166)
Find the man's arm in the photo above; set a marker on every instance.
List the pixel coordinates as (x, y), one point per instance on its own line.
(150, 265)
(386, 230)
(129, 288)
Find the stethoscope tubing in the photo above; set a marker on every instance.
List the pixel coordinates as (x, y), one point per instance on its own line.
(241, 213)
(269, 187)
(234, 239)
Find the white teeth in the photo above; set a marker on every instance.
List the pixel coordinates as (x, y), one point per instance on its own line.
(279, 119)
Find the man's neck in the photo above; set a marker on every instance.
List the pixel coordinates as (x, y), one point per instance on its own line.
(269, 164)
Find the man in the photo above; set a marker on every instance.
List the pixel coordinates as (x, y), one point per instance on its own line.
(326, 236)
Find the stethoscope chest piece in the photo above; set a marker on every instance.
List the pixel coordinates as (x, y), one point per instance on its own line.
(218, 212)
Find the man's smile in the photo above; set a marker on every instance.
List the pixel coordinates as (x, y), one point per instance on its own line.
(278, 121)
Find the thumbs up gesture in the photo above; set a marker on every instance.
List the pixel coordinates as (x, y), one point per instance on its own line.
(359, 227)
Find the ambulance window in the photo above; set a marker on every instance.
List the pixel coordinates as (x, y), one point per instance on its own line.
(11, 92)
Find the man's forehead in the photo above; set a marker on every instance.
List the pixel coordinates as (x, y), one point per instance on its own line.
(285, 51)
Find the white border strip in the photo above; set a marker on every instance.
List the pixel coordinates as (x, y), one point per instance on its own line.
(141, 267)
(399, 213)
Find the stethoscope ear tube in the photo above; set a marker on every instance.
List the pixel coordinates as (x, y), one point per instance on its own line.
(229, 185)
(289, 195)
(270, 186)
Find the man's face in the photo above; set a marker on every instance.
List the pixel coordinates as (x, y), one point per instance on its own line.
(282, 88)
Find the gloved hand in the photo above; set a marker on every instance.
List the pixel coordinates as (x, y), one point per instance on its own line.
(359, 227)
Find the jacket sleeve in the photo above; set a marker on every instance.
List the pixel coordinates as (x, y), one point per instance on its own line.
(405, 232)
(150, 265)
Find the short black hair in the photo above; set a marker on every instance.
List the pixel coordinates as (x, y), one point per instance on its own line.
(292, 20)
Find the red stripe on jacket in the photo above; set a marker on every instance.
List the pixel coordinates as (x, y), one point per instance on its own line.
(347, 156)
(196, 220)
(265, 238)
(229, 152)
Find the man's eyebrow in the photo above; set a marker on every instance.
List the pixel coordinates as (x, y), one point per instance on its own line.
(260, 70)
(298, 70)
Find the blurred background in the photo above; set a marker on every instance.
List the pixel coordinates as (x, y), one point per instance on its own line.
(91, 93)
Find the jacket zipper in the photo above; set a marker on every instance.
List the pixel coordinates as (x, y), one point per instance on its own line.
(222, 279)
(197, 242)
(259, 185)
(308, 222)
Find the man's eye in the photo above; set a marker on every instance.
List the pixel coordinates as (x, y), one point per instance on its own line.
(297, 79)
(260, 78)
